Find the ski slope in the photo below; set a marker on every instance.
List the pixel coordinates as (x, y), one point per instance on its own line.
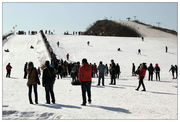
(119, 101)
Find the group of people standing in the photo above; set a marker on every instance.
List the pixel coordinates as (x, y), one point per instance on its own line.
(48, 79)
(82, 74)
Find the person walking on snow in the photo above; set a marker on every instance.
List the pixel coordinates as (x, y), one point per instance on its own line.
(84, 76)
(166, 49)
(33, 80)
(48, 79)
(67, 56)
(142, 74)
(172, 69)
(139, 51)
(8, 69)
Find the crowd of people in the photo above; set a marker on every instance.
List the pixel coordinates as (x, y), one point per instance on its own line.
(80, 74)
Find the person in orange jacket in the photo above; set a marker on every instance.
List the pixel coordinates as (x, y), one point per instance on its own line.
(84, 76)
(142, 74)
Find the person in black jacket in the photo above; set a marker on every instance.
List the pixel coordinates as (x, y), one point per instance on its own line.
(117, 70)
(151, 71)
(25, 70)
(172, 69)
(48, 79)
(113, 73)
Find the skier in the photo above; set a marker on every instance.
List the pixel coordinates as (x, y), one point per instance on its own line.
(166, 49)
(48, 79)
(172, 69)
(176, 70)
(157, 71)
(142, 38)
(151, 71)
(58, 43)
(8, 69)
(101, 68)
(84, 76)
(133, 70)
(33, 80)
(67, 56)
(113, 73)
(25, 70)
(139, 51)
(88, 43)
(142, 74)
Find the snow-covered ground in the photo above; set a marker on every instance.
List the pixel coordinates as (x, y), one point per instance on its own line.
(119, 101)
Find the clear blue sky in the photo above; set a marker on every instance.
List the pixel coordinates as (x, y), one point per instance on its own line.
(79, 16)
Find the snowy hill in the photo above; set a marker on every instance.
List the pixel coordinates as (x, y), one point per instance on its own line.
(147, 31)
(119, 101)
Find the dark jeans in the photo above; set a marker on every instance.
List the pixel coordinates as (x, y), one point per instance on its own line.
(8, 73)
(86, 87)
(158, 76)
(141, 83)
(150, 76)
(173, 74)
(49, 90)
(113, 79)
(101, 76)
(35, 93)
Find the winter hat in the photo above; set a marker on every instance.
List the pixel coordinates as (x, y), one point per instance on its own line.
(47, 63)
(30, 65)
(84, 61)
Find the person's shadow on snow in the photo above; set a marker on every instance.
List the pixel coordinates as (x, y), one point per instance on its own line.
(58, 106)
(111, 108)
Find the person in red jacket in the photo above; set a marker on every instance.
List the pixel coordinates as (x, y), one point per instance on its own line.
(142, 74)
(84, 76)
(8, 68)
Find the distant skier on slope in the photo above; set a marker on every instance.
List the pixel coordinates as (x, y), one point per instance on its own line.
(88, 43)
(142, 74)
(166, 49)
(58, 43)
(142, 38)
(8, 69)
(172, 69)
(139, 51)
(67, 56)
